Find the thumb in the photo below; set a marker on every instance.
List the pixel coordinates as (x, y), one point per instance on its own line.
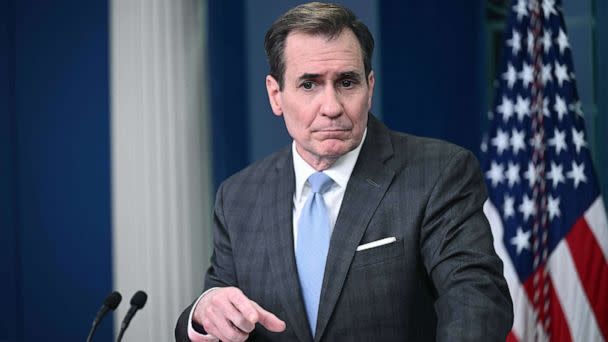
(268, 319)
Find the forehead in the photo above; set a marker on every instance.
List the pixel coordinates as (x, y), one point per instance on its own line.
(306, 53)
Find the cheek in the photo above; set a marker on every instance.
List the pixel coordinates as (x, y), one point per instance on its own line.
(359, 113)
(296, 125)
(300, 118)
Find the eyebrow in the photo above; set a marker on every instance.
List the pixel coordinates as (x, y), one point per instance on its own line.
(347, 74)
(350, 74)
(308, 76)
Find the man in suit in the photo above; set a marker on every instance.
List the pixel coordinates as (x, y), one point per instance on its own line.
(354, 232)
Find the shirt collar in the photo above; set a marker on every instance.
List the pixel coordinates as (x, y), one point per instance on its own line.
(339, 172)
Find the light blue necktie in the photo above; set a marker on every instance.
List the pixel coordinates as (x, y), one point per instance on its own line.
(313, 244)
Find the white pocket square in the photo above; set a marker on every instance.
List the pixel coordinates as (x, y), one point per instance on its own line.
(376, 243)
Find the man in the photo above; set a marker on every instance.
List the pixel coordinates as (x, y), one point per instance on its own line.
(355, 232)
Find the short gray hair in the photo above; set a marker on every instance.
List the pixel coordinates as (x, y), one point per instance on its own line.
(315, 18)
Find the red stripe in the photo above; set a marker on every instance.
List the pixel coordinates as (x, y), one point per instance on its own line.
(592, 270)
(511, 337)
(559, 330)
(559, 325)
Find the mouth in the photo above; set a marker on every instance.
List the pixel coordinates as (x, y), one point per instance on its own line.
(332, 133)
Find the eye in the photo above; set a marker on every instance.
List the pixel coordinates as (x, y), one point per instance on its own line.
(347, 83)
(307, 85)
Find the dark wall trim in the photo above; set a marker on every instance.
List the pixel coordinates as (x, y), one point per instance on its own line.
(600, 41)
(228, 88)
(11, 313)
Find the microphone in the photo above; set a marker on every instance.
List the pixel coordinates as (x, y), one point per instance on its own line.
(110, 303)
(137, 302)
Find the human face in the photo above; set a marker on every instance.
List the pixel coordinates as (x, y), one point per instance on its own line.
(325, 98)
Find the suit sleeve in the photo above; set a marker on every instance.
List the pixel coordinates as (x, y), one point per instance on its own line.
(221, 272)
(473, 301)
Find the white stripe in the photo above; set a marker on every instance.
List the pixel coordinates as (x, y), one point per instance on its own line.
(523, 323)
(575, 306)
(596, 219)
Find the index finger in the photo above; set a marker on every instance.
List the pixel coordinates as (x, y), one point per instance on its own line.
(269, 320)
(244, 306)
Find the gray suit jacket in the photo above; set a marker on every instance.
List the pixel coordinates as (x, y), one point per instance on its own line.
(441, 279)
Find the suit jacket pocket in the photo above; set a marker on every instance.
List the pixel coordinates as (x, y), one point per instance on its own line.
(378, 254)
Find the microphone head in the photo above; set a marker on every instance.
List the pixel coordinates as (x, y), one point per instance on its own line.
(139, 299)
(112, 300)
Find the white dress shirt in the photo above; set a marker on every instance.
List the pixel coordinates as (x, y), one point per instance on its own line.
(339, 172)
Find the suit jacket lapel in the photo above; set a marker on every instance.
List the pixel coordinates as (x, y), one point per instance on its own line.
(367, 185)
(278, 199)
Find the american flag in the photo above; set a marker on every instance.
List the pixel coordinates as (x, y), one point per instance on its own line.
(545, 208)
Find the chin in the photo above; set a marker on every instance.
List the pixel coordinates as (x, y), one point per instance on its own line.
(337, 149)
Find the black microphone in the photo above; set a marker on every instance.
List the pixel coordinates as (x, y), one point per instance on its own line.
(137, 302)
(110, 303)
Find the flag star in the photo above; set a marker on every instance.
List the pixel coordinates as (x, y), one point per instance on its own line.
(578, 137)
(509, 206)
(513, 174)
(526, 75)
(510, 75)
(501, 141)
(577, 108)
(531, 174)
(514, 42)
(517, 141)
(577, 173)
(527, 207)
(546, 74)
(547, 41)
(505, 108)
(549, 8)
(496, 173)
(562, 41)
(521, 240)
(530, 42)
(553, 207)
(522, 108)
(521, 9)
(558, 141)
(561, 73)
(560, 107)
(556, 175)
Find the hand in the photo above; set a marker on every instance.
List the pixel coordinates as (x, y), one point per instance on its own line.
(227, 314)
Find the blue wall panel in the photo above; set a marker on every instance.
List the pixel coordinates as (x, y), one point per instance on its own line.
(61, 178)
(433, 68)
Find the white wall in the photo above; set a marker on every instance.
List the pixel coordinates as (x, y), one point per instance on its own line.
(160, 159)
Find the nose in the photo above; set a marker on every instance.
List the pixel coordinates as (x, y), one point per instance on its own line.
(331, 105)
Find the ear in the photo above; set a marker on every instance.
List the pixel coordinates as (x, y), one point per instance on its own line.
(274, 95)
(371, 81)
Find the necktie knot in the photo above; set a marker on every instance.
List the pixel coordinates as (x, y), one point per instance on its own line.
(319, 182)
